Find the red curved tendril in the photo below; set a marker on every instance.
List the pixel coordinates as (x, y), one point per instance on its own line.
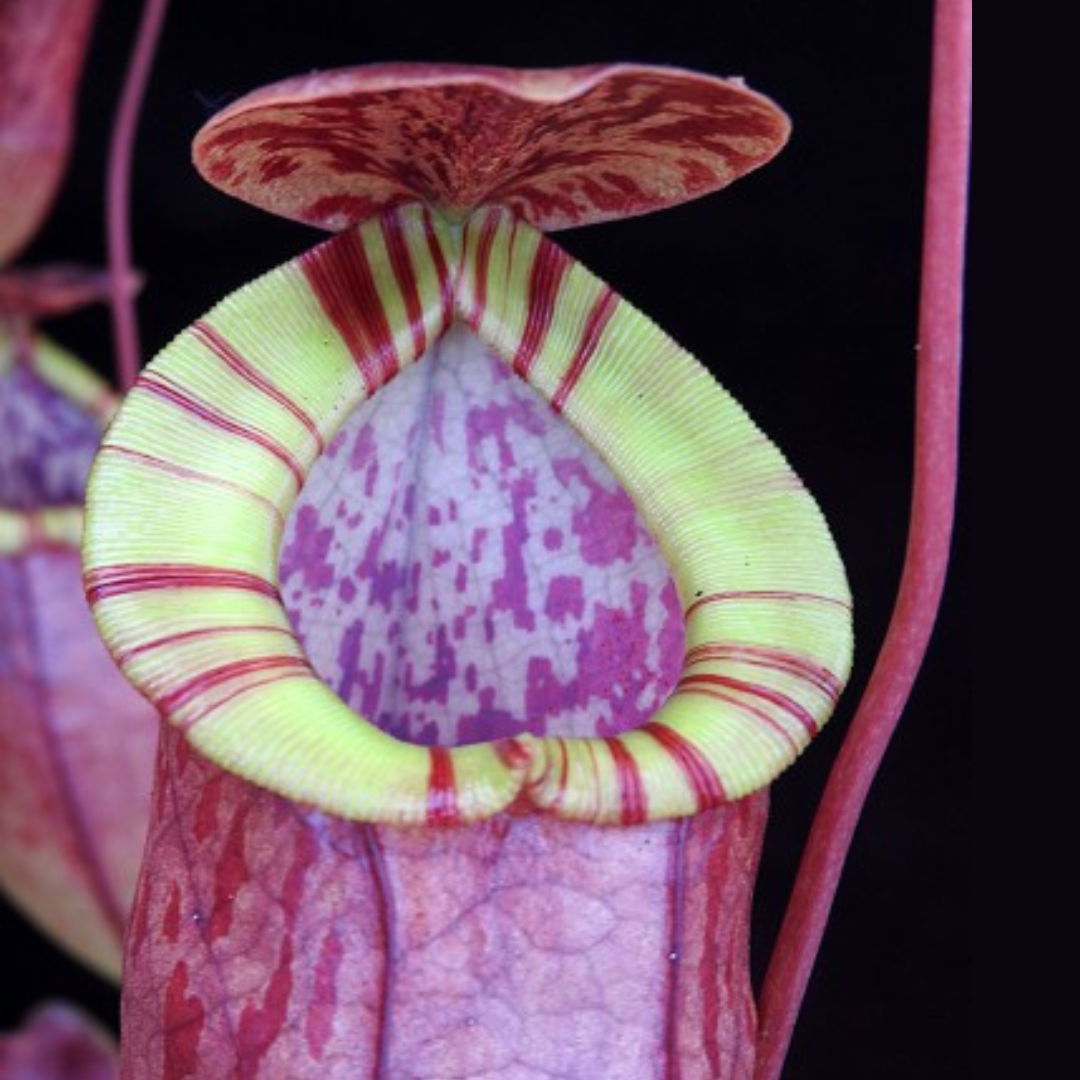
(933, 497)
(117, 198)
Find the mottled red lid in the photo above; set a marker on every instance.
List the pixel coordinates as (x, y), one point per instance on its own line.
(560, 147)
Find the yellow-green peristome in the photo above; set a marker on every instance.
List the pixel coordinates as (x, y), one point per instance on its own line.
(190, 494)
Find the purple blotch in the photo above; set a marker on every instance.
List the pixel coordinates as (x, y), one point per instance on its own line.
(492, 422)
(488, 722)
(308, 550)
(565, 597)
(511, 591)
(361, 690)
(435, 688)
(364, 457)
(607, 526)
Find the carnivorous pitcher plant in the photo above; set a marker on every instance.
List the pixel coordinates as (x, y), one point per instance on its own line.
(477, 467)
(477, 616)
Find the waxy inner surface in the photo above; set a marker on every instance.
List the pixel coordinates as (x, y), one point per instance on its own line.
(461, 567)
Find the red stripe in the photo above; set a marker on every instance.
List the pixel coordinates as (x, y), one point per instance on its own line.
(447, 286)
(405, 276)
(590, 750)
(340, 276)
(143, 577)
(163, 387)
(483, 257)
(773, 660)
(632, 796)
(185, 473)
(127, 655)
(218, 703)
(209, 337)
(564, 767)
(773, 697)
(598, 319)
(744, 706)
(548, 270)
(442, 798)
(704, 782)
(513, 754)
(564, 770)
(207, 680)
(764, 594)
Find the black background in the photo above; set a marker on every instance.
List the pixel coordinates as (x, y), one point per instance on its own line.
(798, 286)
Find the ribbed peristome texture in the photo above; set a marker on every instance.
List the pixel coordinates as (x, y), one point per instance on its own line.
(227, 424)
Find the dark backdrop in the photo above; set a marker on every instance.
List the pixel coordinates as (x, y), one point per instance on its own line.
(798, 286)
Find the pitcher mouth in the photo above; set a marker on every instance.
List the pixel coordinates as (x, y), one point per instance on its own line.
(190, 494)
(460, 567)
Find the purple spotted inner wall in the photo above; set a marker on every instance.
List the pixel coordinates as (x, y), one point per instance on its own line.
(46, 443)
(461, 567)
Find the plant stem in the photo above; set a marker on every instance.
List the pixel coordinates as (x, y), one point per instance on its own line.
(118, 193)
(926, 559)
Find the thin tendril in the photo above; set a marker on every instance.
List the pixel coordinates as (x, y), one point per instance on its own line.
(118, 189)
(926, 559)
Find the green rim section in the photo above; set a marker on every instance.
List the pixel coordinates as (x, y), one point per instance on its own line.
(189, 497)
